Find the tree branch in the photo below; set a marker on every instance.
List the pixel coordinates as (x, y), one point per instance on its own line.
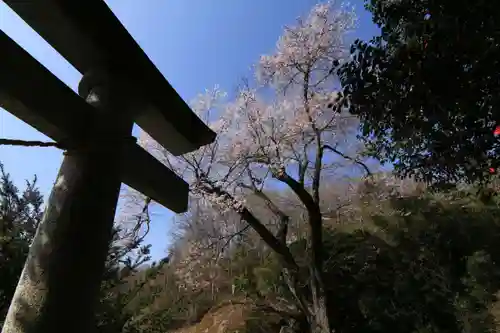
(228, 239)
(318, 162)
(304, 196)
(266, 235)
(284, 219)
(24, 143)
(315, 218)
(360, 163)
(143, 217)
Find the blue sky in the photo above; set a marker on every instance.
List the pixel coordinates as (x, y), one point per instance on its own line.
(195, 44)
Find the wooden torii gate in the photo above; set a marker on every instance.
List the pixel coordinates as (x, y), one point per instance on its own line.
(60, 281)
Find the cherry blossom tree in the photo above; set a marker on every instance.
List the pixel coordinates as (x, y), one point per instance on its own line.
(291, 138)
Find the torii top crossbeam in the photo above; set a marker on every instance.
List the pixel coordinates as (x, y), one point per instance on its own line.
(33, 94)
(89, 35)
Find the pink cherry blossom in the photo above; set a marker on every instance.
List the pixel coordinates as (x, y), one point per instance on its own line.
(258, 136)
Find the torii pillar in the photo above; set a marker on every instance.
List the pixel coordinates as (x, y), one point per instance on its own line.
(61, 278)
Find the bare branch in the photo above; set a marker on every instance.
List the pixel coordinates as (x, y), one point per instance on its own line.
(338, 152)
(228, 239)
(266, 235)
(283, 219)
(143, 218)
(24, 143)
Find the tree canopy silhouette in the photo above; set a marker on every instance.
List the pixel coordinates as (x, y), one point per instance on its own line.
(427, 89)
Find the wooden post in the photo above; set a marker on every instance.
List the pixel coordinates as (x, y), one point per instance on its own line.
(60, 282)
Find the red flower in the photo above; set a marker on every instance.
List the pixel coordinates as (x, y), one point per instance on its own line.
(497, 130)
(492, 170)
